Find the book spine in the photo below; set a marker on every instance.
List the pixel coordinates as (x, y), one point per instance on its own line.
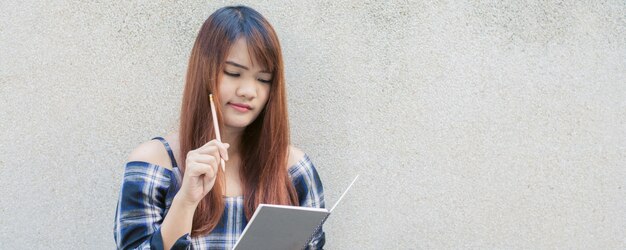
(317, 229)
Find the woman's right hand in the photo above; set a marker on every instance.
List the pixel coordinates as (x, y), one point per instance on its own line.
(201, 168)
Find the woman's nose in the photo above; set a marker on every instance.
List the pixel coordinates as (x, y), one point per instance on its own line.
(247, 89)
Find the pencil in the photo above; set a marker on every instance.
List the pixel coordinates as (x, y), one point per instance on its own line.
(217, 128)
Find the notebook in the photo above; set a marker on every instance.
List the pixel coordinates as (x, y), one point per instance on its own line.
(284, 227)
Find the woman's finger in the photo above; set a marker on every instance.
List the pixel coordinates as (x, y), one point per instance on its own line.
(202, 168)
(207, 182)
(204, 158)
(209, 148)
(223, 148)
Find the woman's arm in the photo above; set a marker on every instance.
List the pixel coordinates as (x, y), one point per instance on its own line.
(140, 216)
(143, 219)
(177, 222)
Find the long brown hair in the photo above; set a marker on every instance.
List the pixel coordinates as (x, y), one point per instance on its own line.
(264, 143)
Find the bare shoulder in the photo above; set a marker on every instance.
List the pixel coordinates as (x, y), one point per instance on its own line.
(295, 155)
(152, 151)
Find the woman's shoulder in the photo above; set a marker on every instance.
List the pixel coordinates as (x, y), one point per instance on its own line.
(300, 165)
(305, 179)
(153, 152)
(296, 155)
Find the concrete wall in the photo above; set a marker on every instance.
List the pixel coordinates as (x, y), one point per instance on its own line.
(472, 125)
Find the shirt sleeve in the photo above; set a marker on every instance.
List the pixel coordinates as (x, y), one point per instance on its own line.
(141, 208)
(310, 194)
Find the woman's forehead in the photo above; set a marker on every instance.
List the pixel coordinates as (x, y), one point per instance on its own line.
(240, 54)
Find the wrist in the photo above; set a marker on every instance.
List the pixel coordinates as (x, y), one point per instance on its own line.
(181, 202)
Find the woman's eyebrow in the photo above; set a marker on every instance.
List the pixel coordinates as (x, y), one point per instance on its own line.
(237, 65)
(244, 67)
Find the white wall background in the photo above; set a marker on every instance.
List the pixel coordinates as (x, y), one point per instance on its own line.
(473, 125)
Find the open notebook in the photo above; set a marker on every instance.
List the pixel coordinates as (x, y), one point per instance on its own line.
(284, 227)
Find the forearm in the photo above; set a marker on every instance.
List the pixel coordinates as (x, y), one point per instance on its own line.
(177, 222)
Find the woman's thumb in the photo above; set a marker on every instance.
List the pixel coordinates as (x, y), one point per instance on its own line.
(206, 181)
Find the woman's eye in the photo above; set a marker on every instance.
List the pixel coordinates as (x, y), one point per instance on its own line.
(265, 81)
(231, 74)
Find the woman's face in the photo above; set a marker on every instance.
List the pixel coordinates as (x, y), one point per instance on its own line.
(244, 87)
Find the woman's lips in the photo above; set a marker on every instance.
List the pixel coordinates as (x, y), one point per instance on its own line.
(239, 107)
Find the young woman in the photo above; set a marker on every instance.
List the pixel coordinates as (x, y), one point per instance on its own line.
(174, 193)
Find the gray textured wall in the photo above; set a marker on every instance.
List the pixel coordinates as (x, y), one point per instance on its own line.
(473, 125)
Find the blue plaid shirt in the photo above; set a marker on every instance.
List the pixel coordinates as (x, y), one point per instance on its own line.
(147, 193)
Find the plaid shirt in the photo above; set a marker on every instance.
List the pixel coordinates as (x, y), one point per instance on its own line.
(148, 191)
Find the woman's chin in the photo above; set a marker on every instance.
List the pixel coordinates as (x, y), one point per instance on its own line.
(237, 125)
